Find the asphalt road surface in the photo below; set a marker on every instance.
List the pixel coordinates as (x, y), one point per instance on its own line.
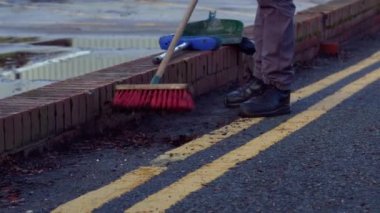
(324, 157)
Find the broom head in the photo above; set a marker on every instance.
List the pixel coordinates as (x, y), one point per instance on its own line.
(172, 97)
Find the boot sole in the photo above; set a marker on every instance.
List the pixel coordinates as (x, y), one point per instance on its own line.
(231, 105)
(280, 111)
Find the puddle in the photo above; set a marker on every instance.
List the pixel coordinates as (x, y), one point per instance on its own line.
(10, 61)
(10, 40)
(8, 88)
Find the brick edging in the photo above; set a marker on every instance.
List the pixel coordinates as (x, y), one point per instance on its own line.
(31, 117)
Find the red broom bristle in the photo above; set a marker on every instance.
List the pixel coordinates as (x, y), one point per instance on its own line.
(134, 99)
(165, 100)
(162, 99)
(154, 100)
(140, 100)
(147, 98)
(129, 100)
(117, 99)
(171, 100)
(178, 100)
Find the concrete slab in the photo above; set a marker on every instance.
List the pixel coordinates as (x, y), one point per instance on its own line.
(113, 28)
(116, 17)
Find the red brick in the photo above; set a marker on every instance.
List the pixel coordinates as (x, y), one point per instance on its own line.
(67, 115)
(226, 58)
(93, 104)
(82, 108)
(103, 97)
(75, 107)
(246, 68)
(51, 119)
(221, 79)
(226, 76)
(201, 65)
(136, 79)
(26, 128)
(146, 76)
(306, 43)
(226, 51)
(182, 73)
(232, 74)
(9, 133)
(330, 48)
(150, 75)
(44, 123)
(2, 137)
(204, 85)
(170, 75)
(17, 124)
(233, 56)
(190, 69)
(110, 93)
(125, 81)
(218, 60)
(211, 69)
(307, 55)
(36, 122)
(309, 24)
(60, 119)
(106, 96)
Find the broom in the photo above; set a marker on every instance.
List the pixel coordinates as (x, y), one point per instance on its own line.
(157, 96)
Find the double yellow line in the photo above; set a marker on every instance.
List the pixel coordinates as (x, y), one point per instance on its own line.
(194, 181)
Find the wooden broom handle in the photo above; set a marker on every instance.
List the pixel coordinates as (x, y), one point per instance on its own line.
(177, 36)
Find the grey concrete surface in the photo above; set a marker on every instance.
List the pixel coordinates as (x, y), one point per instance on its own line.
(94, 24)
(331, 165)
(152, 17)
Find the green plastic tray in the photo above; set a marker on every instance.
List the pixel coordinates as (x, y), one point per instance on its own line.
(229, 31)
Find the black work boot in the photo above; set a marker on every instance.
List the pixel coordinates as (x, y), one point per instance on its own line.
(272, 102)
(252, 88)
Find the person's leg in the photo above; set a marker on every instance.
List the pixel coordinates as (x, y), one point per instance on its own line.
(258, 38)
(275, 60)
(278, 42)
(255, 86)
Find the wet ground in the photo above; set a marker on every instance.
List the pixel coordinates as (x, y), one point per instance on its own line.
(332, 164)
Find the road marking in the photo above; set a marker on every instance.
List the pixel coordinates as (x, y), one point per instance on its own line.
(204, 142)
(208, 140)
(194, 181)
(95, 199)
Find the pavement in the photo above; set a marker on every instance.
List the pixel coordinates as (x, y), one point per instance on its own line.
(323, 157)
(52, 18)
(117, 30)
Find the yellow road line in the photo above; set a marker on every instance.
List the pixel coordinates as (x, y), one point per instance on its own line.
(164, 199)
(95, 199)
(200, 144)
(207, 140)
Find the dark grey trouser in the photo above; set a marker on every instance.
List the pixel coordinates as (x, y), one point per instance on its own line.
(275, 42)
